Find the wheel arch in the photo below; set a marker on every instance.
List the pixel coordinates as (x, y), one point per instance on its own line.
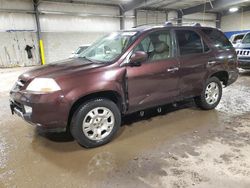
(223, 76)
(109, 94)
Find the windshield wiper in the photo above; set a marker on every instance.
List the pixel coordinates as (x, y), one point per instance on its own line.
(87, 59)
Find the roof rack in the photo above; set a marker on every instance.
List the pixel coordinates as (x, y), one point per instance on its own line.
(146, 25)
(169, 24)
(197, 25)
(194, 24)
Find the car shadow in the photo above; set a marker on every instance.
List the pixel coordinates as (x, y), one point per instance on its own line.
(127, 120)
(153, 112)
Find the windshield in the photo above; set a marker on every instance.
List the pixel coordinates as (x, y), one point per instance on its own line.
(109, 47)
(246, 39)
(81, 49)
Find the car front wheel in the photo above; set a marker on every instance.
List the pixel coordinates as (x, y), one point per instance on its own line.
(211, 94)
(95, 122)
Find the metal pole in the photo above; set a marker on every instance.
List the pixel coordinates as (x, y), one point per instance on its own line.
(135, 19)
(40, 41)
(122, 19)
(179, 21)
(218, 20)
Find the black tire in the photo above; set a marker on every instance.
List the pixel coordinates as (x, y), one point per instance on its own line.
(78, 118)
(201, 100)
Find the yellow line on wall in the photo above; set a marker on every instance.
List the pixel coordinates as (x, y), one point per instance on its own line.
(42, 52)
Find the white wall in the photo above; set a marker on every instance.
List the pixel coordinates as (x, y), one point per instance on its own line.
(151, 17)
(173, 17)
(65, 23)
(17, 21)
(16, 31)
(129, 19)
(61, 33)
(16, 4)
(207, 19)
(59, 45)
(13, 52)
(236, 22)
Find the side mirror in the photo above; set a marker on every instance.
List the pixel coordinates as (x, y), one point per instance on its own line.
(137, 58)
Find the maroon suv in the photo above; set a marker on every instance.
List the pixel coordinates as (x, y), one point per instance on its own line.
(125, 72)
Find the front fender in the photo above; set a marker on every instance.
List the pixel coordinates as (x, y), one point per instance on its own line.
(109, 80)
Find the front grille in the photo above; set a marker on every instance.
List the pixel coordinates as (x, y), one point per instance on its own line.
(242, 52)
(18, 105)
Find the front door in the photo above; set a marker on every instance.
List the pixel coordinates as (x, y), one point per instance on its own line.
(155, 81)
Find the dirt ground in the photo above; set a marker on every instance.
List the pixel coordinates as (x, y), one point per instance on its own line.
(182, 147)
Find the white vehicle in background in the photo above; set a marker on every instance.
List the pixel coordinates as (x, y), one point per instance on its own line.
(79, 50)
(243, 52)
(236, 39)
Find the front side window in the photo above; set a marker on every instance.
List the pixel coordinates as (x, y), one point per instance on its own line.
(218, 39)
(246, 39)
(157, 45)
(109, 47)
(189, 42)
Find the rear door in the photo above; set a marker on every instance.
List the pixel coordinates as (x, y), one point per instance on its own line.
(156, 80)
(193, 55)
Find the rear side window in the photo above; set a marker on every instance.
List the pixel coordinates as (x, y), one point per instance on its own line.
(189, 42)
(219, 40)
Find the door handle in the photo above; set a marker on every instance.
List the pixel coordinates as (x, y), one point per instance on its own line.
(211, 62)
(172, 70)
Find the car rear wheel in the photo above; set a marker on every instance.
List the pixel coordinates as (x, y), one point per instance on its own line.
(95, 122)
(211, 94)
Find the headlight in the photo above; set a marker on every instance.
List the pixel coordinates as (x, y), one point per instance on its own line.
(43, 85)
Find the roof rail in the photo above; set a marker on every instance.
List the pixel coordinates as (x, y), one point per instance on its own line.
(197, 25)
(168, 24)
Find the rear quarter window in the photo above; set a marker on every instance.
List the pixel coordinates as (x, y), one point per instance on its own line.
(219, 40)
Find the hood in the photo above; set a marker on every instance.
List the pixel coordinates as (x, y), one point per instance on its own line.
(60, 68)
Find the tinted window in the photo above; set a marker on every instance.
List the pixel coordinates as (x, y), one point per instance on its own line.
(157, 45)
(219, 40)
(238, 37)
(189, 42)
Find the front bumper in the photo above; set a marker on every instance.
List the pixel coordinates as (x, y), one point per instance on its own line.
(49, 111)
(244, 63)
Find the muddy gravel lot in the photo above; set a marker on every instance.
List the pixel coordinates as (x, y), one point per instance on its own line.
(181, 147)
